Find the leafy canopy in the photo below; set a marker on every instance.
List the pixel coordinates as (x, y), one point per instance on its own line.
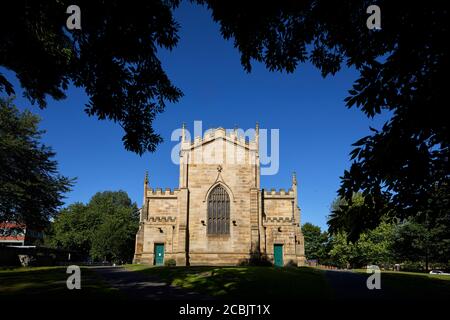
(31, 188)
(113, 58)
(315, 242)
(104, 228)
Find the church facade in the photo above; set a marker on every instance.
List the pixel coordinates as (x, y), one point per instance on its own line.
(219, 215)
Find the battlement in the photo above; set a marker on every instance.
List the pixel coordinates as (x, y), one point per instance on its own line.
(159, 192)
(282, 193)
(232, 135)
(162, 219)
(278, 220)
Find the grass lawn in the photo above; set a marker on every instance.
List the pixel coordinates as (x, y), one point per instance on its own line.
(238, 283)
(245, 282)
(50, 283)
(413, 285)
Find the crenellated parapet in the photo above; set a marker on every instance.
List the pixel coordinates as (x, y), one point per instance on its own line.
(281, 194)
(237, 137)
(159, 192)
(277, 220)
(162, 219)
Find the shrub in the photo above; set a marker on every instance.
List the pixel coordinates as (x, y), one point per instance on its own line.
(256, 260)
(170, 263)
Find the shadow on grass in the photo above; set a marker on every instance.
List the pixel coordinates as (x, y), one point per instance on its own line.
(50, 283)
(244, 282)
(416, 286)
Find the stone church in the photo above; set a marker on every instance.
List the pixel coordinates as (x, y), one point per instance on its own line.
(219, 215)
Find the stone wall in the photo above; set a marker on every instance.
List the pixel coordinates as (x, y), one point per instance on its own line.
(237, 179)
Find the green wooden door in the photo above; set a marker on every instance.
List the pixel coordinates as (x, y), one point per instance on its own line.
(278, 255)
(159, 254)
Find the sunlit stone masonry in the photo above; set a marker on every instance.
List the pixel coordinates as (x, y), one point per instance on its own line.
(219, 215)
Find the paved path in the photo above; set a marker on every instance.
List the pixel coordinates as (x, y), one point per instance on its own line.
(140, 286)
(136, 285)
(352, 285)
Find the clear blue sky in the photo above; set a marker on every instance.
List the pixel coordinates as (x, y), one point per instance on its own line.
(316, 129)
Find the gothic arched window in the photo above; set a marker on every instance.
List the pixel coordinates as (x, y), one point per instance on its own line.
(218, 211)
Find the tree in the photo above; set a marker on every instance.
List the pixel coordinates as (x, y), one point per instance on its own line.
(356, 216)
(113, 58)
(342, 252)
(421, 240)
(315, 242)
(354, 221)
(73, 228)
(376, 246)
(114, 238)
(424, 242)
(31, 189)
(373, 247)
(105, 228)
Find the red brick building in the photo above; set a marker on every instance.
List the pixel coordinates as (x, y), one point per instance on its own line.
(12, 233)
